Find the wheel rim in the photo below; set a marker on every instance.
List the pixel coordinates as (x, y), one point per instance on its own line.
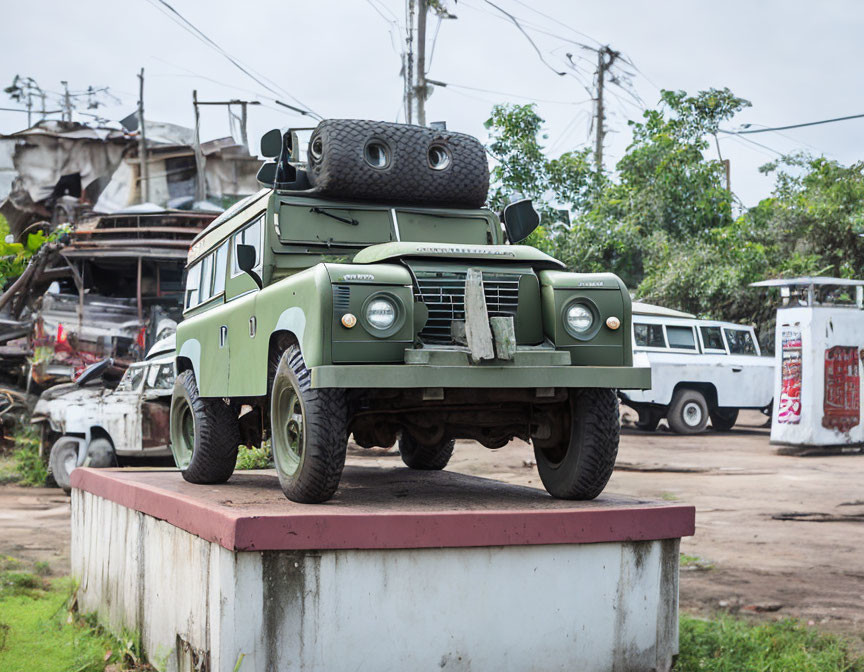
(287, 429)
(70, 461)
(692, 414)
(556, 452)
(183, 441)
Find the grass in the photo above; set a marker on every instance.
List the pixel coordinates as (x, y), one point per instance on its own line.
(29, 468)
(249, 457)
(687, 561)
(735, 645)
(38, 632)
(668, 496)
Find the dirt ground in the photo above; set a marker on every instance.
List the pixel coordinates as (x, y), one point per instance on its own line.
(749, 561)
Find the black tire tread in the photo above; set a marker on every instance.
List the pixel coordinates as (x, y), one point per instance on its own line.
(722, 420)
(425, 458)
(217, 435)
(343, 172)
(598, 414)
(326, 435)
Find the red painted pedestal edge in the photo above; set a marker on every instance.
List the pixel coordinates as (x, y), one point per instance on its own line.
(313, 527)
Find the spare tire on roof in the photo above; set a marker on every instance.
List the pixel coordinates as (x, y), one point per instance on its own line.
(399, 163)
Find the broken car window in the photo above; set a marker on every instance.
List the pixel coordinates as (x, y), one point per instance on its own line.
(649, 335)
(712, 338)
(740, 342)
(681, 337)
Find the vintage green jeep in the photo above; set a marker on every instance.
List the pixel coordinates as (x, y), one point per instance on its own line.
(366, 291)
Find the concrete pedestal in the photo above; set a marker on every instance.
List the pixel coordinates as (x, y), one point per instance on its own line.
(403, 570)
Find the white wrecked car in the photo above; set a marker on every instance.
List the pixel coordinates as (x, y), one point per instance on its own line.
(85, 424)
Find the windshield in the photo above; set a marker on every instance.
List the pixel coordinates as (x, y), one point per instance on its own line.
(359, 227)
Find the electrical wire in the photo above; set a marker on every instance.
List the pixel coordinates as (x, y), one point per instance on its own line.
(187, 25)
(527, 36)
(509, 95)
(786, 128)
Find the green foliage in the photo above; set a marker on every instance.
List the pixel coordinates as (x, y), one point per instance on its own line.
(731, 645)
(30, 467)
(251, 457)
(15, 256)
(687, 561)
(664, 221)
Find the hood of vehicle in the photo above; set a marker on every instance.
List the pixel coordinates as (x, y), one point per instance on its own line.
(488, 253)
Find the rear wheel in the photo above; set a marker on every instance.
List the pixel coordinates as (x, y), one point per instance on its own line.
(649, 418)
(428, 458)
(204, 433)
(308, 431)
(724, 419)
(580, 465)
(688, 413)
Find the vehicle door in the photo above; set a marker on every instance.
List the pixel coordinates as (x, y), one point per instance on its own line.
(120, 413)
(718, 367)
(240, 318)
(649, 341)
(753, 375)
(155, 406)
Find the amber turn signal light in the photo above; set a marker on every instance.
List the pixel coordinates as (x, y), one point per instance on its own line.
(611, 322)
(348, 320)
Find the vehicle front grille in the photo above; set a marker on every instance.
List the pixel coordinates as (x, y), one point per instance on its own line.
(443, 292)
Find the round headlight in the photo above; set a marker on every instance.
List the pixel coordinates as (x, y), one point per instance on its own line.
(579, 318)
(381, 314)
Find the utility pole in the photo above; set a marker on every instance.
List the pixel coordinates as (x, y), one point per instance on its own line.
(67, 102)
(200, 186)
(420, 89)
(409, 66)
(605, 59)
(142, 143)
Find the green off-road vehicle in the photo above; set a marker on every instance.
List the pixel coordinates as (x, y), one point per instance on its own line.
(367, 291)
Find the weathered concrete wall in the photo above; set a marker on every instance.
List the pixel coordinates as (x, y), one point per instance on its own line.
(603, 606)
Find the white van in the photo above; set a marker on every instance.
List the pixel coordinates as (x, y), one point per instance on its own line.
(700, 370)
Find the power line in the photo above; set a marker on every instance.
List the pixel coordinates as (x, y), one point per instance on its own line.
(527, 36)
(509, 95)
(187, 25)
(786, 128)
(752, 142)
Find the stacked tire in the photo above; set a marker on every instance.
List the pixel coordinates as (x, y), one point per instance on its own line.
(398, 163)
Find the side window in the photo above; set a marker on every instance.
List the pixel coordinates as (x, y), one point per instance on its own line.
(193, 281)
(251, 235)
(649, 335)
(219, 268)
(681, 337)
(712, 338)
(740, 342)
(204, 292)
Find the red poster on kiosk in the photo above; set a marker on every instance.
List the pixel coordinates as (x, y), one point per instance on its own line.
(842, 388)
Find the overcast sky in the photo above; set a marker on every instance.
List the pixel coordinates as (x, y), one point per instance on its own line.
(795, 61)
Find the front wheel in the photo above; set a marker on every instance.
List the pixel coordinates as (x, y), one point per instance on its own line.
(724, 419)
(62, 460)
(688, 413)
(204, 433)
(580, 465)
(308, 430)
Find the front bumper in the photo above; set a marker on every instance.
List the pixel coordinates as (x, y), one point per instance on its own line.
(452, 368)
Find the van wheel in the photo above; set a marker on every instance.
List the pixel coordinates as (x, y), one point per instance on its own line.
(204, 433)
(428, 458)
(724, 419)
(688, 413)
(308, 431)
(580, 466)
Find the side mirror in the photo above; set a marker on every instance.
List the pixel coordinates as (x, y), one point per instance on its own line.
(247, 260)
(520, 220)
(267, 174)
(271, 144)
(92, 372)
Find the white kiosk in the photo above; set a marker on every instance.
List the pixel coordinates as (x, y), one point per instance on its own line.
(818, 348)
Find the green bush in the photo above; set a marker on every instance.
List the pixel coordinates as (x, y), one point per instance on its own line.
(250, 457)
(30, 467)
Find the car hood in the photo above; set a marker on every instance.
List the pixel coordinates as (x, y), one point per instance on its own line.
(518, 253)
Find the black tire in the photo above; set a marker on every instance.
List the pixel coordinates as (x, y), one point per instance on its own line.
(204, 433)
(724, 419)
(688, 412)
(338, 166)
(62, 460)
(649, 418)
(580, 467)
(308, 431)
(427, 458)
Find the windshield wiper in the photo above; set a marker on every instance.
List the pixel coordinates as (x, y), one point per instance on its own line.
(345, 220)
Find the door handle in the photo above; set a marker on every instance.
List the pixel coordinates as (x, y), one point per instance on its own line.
(223, 336)
(253, 326)
(736, 369)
